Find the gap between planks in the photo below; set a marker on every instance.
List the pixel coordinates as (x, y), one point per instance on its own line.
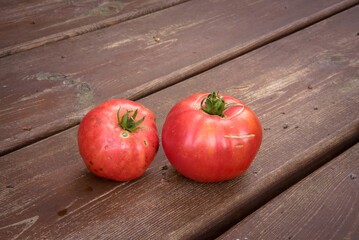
(182, 74)
(7, 51)
(283, 178)
(329, 195)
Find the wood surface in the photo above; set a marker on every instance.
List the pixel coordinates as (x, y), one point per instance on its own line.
(42, 22)
(324, 205)
(49, 89)
(304, 90)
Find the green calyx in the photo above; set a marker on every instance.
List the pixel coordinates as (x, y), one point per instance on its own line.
(215, 104)
(128, 123)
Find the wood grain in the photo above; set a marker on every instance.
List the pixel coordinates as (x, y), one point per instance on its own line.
(324, 205)
(51, 88)
(42, 22)
(306, 81)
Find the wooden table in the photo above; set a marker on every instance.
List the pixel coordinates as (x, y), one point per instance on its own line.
(295, 63)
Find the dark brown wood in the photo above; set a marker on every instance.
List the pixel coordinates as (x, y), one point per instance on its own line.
(52, 87)
(324, 205)
(28, 24)
(306, 82)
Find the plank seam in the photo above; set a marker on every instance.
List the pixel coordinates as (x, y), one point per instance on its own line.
(185, 73)
(180, 75)
(7, 51)
(283, 178)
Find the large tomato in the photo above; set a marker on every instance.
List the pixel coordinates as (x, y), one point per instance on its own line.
(211, 137)
(113, 144)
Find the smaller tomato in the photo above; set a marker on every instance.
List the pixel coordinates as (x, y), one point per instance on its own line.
(113, 144)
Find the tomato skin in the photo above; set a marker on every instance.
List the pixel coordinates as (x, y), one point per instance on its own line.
(112, 152)
(209, 148)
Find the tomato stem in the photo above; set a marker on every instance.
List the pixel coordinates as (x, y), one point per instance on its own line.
(128, 123)
(215, 104)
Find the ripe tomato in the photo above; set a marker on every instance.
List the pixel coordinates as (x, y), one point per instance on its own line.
(211, 137)
(115, 145)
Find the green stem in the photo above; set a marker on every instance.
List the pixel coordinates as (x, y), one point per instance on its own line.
(215, 104)
(128, 123)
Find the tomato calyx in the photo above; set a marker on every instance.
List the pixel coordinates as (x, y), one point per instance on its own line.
(128, 123)
(215, 104)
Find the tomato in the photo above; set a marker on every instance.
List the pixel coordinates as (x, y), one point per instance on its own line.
(113, 144)
(211, 137)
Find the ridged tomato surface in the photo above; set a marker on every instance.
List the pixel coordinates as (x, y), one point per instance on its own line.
(111, 152)
(211, 148)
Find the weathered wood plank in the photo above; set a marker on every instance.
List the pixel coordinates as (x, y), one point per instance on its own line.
(324, 205)
(49, 89)
(28, 24)
(307, 81)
